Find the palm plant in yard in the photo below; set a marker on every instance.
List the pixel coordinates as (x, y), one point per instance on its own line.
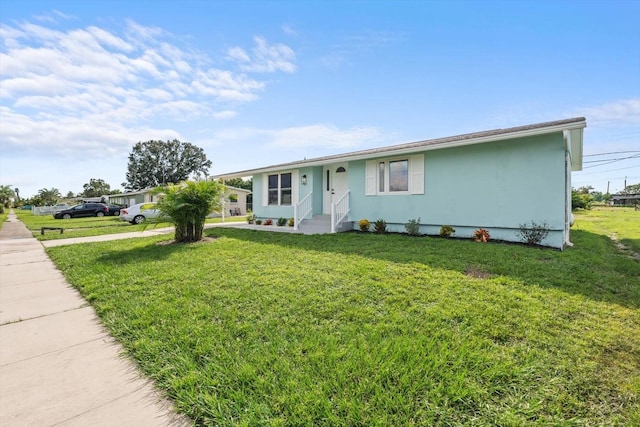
(6, 194)
(187, 205)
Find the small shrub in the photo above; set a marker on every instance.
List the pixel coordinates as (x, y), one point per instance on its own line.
(291, 222)
(446, 231)
(413, 227)
(258, 221)
(251, 218)
(364, 225)
(581, 200)
(281, 222)
(533, 233)
(481, 235)
(268, 222)
(380, 226)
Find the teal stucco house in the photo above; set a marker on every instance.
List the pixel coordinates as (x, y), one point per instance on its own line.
(496, 179)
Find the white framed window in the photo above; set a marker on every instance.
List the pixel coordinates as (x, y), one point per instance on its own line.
(401, 175)
(279, 189)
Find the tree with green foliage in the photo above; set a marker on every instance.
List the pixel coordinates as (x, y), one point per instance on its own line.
(581, 200)
(49, 197)
(156, 163)
(187, 205)
(240, 183)
(6, 197)
(630, 189)
(95, 188)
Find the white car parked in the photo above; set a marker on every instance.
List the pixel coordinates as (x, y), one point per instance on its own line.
(139, 213)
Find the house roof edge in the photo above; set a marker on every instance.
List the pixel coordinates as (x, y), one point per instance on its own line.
(425, 145)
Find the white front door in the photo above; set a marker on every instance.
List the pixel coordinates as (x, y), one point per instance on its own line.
(335, 184)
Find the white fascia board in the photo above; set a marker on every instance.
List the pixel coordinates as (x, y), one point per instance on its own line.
(415, 148)
(576, 149)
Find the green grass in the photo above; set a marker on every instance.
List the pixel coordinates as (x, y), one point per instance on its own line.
(620, 223)
(258, 328)
(3, 217)
(91, 226)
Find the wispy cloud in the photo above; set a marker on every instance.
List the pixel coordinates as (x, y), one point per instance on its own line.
(302, 137)
(622, 112)
(289, 30)
(360, 43)
(264, 57)
(53, 17)
(323, 135)
(96, 89)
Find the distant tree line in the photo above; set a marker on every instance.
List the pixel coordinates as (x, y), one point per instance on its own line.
(585, 197)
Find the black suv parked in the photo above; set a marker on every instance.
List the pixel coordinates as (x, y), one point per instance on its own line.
(114, 210)
(84, 209)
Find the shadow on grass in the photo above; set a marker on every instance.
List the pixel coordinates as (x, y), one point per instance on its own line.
(155, 251)
(592, 268)
(633, 244)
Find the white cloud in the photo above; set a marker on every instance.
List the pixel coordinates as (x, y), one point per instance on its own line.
(322, 135)
(140, 33)
(238, 54)
(358, 44)
(264, 58)
(95, 91)
(224, 115)
(289, 30)
(620, 112)
(303, 137)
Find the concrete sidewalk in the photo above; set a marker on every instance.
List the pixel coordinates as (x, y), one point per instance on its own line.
(58, 365)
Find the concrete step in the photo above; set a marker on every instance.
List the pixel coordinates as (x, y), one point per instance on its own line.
(321, 224)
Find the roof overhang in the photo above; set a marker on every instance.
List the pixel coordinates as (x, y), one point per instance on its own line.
(573, 139)
(572, 130)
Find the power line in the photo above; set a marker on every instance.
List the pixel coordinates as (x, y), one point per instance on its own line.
(613, 152)
(612, 161)
(610, 170)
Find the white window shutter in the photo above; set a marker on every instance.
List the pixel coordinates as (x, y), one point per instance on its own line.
(265, 189)
(417, 174)
(370, 180)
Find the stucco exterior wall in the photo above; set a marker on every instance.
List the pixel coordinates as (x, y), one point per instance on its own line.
(496, 185)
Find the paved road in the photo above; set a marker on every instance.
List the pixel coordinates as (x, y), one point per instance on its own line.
(58, 365)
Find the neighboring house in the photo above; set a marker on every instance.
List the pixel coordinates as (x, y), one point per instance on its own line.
(496, 180)
(235, 199)
(133, 197)
(626, 199)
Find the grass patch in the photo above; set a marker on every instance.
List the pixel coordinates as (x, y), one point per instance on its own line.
(259, 328)
(622, 224)
(3, 217)
(91, 226)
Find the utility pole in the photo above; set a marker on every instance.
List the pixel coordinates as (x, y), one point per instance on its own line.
(608, 182)
(625, 183)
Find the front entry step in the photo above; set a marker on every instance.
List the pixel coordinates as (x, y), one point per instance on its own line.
(321, 224)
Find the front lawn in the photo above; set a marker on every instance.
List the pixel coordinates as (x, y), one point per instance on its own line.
(91, 226)
(259, 328)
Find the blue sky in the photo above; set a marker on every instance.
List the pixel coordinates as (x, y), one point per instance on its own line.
(256, 83)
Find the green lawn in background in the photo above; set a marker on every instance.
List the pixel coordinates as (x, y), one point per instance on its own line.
(620, 223)
(91, 226)
(278, 329)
